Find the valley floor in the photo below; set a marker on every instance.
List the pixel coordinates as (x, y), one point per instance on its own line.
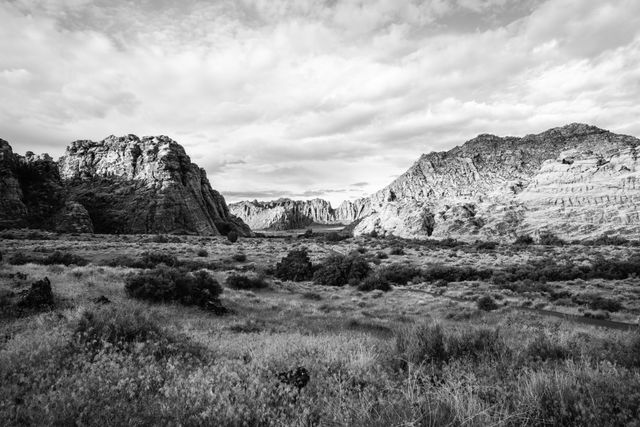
(427, 352)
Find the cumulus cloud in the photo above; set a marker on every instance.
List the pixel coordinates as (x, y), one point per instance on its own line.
(298, 98)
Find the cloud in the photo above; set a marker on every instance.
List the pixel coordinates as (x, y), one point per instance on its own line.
(292, 97)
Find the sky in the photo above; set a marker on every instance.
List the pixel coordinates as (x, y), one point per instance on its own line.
(313, 98)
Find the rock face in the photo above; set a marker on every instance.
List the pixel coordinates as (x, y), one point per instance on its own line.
(287, 214)
(144, 185)
(576, 181)
(118, 185)
(31, 191)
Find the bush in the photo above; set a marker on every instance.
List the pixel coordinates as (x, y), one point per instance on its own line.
(489, 246)
(430, 343)
(240, 257)
(202, 253)
(550, 239)
(339, 270)
(232, 236)
(335, 237)
(399, 274)
(486, 303)
(523, 240)
(64, 258)
(543, 348)
(396, 250)
(239, 281)
(166, 284)
(295, 266)
(374, 282)
(20, 258)
(454, 274)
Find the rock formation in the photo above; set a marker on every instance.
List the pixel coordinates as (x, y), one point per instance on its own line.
(118, 185)
(576, 181)
(287, 214)
(144, 185)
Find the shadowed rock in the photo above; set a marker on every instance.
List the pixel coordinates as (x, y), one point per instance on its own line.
(38, 296)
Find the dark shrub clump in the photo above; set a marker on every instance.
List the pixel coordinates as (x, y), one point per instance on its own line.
(523, 240)
(550, 239)
(486, 303)
(374, 282)
(169, 284)
(239, 281)
(240, 257)
(295, 266)
(202, 253)
(339, 270)
(399, 274)
(232, 236)
(396, 250)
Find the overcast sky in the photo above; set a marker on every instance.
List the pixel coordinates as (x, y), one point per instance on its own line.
(311, 98)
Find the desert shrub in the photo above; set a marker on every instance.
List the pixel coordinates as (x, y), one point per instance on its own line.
(486, 245)
(486, 303)
(374, 282)
(20, 258)
(339, 270)
(523, 240)
(454, 274)
(153, 259)
(165, 284)
(396, 250)
(550, 239)
(64, 258)
(428, 343)
(314, 296)
(295, 266)
(399, 274)
(382, 255)
(597, 302)
(543, 347)
(125, 329)
(240, 257)
(202, 253)
(606, 240)
(232, 236)
(420, 343)
(239, 281)
(334, 236)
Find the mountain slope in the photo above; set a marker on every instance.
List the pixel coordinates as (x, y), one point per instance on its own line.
(493, 186)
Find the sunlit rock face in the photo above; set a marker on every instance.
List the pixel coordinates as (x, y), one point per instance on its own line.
(287, 214)
(577, 181)
(144, 185)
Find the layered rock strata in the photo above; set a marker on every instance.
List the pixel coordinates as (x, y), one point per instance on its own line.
(577, 181)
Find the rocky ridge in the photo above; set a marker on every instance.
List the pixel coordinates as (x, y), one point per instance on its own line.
(576, 181)
(286, 214)
(117, 185)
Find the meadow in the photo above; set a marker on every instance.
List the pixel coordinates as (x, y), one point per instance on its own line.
(391, 332)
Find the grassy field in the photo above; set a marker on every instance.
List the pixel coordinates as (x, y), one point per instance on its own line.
(427, 352)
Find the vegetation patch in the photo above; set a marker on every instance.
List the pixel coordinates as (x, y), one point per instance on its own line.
(165, 284)
(339, 270)
(295, 266)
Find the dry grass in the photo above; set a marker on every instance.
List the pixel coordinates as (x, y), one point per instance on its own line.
(195, 368)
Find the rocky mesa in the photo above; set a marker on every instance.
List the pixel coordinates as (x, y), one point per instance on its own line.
(577, 181)
(117, 185)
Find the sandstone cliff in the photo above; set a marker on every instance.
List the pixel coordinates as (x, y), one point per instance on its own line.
(576, 181)
(286, 214)
(118, 185)
(144, 185)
